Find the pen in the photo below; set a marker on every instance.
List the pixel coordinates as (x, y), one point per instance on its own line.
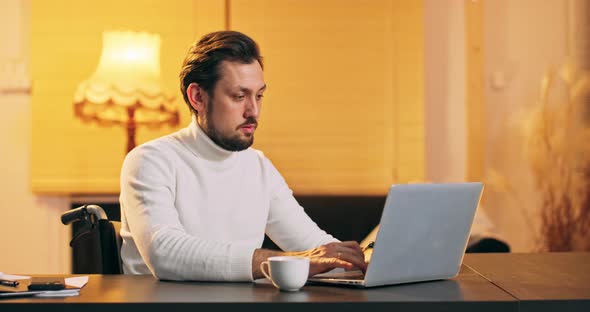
(8, 283)
(370, 245)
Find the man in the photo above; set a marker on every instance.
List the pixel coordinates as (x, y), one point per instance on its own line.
(195, 205)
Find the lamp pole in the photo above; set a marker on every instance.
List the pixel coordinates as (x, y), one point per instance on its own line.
(130, 128)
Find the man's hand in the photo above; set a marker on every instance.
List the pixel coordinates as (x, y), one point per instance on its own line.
(347, 255)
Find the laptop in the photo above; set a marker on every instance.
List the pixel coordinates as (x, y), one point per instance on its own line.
(422, 236)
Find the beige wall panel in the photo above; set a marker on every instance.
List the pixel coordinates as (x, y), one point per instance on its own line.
(32, 238)
(475, 100)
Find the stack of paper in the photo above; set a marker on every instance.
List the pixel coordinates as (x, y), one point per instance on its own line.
(73, 286)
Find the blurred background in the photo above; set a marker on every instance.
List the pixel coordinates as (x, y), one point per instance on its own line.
(362, 94)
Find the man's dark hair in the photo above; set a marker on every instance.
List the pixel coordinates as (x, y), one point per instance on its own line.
(202, 62)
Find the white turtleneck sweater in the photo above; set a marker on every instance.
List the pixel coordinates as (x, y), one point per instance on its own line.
(191, 210)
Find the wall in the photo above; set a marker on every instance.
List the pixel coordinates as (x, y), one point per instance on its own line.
(66, 46)
(446, 110)
(444, 83)
(344, 111)
(32, 238)
(64, 41)
(522, 39)
(30, 227)
(333, 122)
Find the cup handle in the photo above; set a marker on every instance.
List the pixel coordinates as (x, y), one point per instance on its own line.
(264, 264)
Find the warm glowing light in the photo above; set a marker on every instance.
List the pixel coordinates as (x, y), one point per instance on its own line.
(125, 89)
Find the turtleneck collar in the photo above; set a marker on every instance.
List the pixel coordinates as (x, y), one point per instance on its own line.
(203, 147)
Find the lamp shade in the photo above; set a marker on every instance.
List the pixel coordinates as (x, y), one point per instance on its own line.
(126, 88)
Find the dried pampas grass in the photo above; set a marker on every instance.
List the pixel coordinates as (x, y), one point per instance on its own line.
(558, 149)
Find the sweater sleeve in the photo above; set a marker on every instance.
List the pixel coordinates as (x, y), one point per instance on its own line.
(147, 203)
(288, 225)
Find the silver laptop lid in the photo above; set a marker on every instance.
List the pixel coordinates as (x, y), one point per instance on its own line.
(423, 232)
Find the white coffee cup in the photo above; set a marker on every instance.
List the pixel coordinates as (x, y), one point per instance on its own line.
(285, 272)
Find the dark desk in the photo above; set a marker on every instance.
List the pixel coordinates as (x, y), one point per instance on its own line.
(468, 292)
(540, 282)
(503, 282)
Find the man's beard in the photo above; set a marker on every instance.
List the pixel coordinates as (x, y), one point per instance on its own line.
(233, 143)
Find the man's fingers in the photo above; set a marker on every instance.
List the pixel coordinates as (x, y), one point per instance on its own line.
(347, 255)
(338, 263)
(353, 250)
(321, 265)
(352, 245)
(353, 258)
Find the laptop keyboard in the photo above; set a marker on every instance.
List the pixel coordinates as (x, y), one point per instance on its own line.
(358, 277)
(349, 275)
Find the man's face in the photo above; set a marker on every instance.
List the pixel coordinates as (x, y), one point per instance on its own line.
(231, 114)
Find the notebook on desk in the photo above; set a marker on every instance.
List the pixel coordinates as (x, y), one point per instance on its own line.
(422, 235)
(21, 286)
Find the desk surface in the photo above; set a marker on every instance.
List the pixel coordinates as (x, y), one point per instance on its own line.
(541, 282)
(499, 282)
(121, 293)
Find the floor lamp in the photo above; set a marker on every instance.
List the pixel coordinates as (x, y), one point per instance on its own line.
(125, 90)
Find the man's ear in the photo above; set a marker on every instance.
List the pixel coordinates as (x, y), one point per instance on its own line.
(197, 97)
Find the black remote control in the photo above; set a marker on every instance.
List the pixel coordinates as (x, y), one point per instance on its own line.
(47, 285)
